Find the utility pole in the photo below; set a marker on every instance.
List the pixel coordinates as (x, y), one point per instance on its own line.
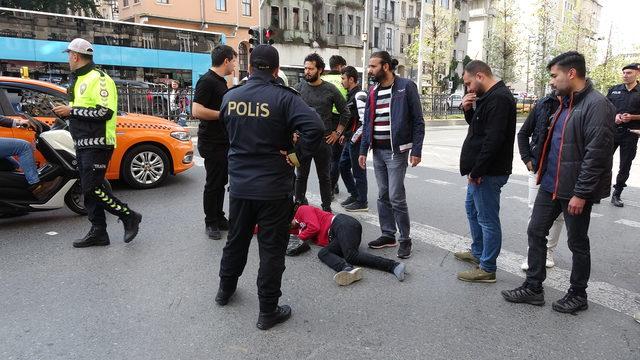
(365, 44)
(608, 51)
(260, 2)
(421, 46)
(528, 63)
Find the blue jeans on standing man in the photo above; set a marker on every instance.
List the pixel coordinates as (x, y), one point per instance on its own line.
(483, 212)
(390, 170)
(17, 147)
(353, 176)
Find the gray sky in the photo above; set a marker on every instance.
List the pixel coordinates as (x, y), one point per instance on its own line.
(624, 15)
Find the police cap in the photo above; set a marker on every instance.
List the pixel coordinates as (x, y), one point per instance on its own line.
(264, 57)
(632, 66)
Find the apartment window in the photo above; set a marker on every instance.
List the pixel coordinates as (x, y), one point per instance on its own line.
(376, 37)
(221, 5)
(350, 24)
(185, 42)
(401, 43)
(275, 16)
(377, 9)
(403, 10)
(148, 40)
(162, 1)
(358, 26)
(411, 13)
(408, 39)
(285, 18)
(340, 25)
(296, 19)
(246, 7)
(330, 21)
(444, 3)
(125, 3)
(305, 20)
(243, 57)
(389, 39)
(393, 11)
(136, 1)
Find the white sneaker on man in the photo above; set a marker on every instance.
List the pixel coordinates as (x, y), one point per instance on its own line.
(549, 263)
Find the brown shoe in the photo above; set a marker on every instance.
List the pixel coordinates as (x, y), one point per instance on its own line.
(43, 189)
(477, 275)
(466, 256)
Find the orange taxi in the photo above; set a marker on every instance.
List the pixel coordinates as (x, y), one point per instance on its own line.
(148, 148)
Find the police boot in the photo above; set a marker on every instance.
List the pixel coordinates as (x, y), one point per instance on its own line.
(95, 237)
(268, 320)
(131, 224)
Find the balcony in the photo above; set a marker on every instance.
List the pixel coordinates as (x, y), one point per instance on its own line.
(413, 22)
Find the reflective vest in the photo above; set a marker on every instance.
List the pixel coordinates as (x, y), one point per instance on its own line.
(336, 80)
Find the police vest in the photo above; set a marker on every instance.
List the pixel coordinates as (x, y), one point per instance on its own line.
(97, 88)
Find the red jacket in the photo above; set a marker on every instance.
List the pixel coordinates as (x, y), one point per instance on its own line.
(314, 224)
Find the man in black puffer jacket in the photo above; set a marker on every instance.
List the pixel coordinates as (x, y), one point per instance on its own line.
(574, 173)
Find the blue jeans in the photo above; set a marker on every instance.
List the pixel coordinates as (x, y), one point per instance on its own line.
(483, 212)
(354, 177)
(12, 147)
(392, 200)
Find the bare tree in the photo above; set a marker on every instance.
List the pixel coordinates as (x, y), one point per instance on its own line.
(502, 46)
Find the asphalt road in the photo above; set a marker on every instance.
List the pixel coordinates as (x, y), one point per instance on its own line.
(153, 298)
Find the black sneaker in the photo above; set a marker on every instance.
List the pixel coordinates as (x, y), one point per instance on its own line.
(268, 320)
(616, 201)
(571, 303)
(348, 201)
(357, 206)
(523, 294)
(336, 190)
(298, 248)
(327, 208)
(223, 224)
(222, 297)
(404, 251)
(95, 237)
(213, 232)
(131, 225)
(383, 242)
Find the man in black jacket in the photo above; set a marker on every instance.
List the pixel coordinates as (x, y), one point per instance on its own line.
(261, 117)
(486, 159)
(530, 141)
(574, 173)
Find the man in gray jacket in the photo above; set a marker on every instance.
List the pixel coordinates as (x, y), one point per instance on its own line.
(574, 172)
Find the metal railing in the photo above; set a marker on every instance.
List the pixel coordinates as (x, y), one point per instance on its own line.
(156, 100)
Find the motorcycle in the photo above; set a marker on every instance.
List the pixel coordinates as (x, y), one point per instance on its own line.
(56, 146)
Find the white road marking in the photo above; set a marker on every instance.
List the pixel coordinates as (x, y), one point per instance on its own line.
(439, 182)
(631, 223)
(51, 233)
(410, 176)
(596, 215)
(519, 182)
(198, 161)
(603, 293)
(370, 168)
(518, 198)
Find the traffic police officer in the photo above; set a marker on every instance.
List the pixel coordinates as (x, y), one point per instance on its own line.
(261, 117)
(92, 113)
(626, 98)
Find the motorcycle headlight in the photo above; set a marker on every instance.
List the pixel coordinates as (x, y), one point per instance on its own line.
(181, 135)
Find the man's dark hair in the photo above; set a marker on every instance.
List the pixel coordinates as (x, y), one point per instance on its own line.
(477, 66)
(221, 53)
(335, 61)
(385, 58)
(350, 72)
(317, 59)
(570, 60)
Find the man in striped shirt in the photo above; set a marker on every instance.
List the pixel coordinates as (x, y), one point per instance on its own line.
(394, 128)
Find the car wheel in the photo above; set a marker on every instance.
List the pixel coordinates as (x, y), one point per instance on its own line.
(145, 167)
(74, 198)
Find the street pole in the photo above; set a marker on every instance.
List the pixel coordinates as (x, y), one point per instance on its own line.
(365, 45)
(260, 2)
(421, 46)
(528, 62)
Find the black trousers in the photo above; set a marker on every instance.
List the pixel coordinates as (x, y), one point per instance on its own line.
(545, 211)
(336, 154)
(628, 143)
(345, 236)
(92, 166)
(273, 218)
(217, 169)
(322, 158)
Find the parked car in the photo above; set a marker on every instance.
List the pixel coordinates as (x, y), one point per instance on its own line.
(453, 101)
(148, 148)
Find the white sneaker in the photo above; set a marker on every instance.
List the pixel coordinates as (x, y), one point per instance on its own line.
(550, 263)
(344, 278)
(525, 265)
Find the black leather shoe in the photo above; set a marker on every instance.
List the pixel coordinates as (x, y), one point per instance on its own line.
(131, 225)
(213, 232)
(268, 320)
(298, 248)
(222, 297)
(95, 237)
(223, 224)
(615, 200)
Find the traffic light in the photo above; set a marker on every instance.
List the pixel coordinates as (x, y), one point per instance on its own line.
(268, 36)
(254, 34)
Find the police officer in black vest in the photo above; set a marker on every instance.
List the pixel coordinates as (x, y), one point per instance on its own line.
(626, 98)
(261, 117)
